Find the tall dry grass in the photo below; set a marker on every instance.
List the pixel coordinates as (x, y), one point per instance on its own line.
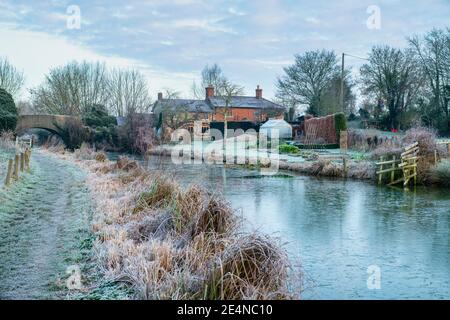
(166, 242)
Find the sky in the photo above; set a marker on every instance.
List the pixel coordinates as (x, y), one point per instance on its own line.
(171, 41)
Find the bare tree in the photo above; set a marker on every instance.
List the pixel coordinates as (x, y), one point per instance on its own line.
(211, 76)
(393, 75)
(128, 92)
(11, 79)
(330, 101)
(305, 81)
(172, 113)
(72, 89)
(227, 91)
(433, 52)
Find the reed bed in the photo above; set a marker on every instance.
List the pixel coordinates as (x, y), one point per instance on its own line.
(165, 242)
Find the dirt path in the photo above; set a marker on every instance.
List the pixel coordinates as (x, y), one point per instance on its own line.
(43, 220)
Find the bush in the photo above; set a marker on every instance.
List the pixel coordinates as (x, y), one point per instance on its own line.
(440, 174)
(424, 136)
(105, 137)
(98, 116)
(288, 148)
(73, 133)
(352, 117)
(340, 124)
(8, 111)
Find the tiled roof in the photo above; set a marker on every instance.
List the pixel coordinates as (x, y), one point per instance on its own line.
(209, 104)
(245, 102)
(188, 105)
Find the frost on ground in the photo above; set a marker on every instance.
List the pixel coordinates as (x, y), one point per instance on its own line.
(44, 217)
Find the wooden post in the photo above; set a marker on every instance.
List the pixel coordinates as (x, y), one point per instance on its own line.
(415, 172)
(380, 175)
(435, 157)
(393, 169)
(9, 174)
(16, 167)
(344, 160)
(27, 159)
(22, 162)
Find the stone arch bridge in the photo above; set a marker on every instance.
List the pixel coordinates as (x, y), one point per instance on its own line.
(52, 123)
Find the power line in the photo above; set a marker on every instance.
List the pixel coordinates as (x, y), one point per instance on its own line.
(350, 55)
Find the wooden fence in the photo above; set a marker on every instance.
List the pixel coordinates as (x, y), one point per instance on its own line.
(16, 166)
(407, 164)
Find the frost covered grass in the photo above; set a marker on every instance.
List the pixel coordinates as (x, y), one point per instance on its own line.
(164, 242)
(440, 173)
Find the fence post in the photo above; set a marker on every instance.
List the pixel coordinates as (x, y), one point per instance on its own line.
(393, 169)
(415, 171)
(344, 159)
(380, 175)
(27, 159)
(9, 173)
(16, 167)
(22, 162)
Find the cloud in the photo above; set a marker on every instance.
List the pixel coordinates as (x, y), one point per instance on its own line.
(172, 40)
(236, 12)
(312, 20)
(49, 51)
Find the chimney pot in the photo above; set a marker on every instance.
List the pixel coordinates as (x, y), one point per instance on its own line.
(160, 96)
(209, 91)
(258, 92)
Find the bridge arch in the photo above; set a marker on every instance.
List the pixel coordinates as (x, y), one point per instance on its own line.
(51, 123)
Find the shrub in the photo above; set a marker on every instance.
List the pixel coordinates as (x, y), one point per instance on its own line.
(8, 111)
(105, 137)
(440, 174)
(98, 116)
(426, 138)
(288, 148)
(74, 133)
(340, 124)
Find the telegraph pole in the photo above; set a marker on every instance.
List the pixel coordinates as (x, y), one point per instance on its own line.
(342, 83)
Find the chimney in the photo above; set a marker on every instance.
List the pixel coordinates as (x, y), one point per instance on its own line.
(160, 96)
(258, 92)
(209, 91)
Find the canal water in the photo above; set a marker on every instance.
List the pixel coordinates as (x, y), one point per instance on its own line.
(353, 239)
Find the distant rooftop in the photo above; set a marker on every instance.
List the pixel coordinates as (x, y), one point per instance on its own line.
(211, 102)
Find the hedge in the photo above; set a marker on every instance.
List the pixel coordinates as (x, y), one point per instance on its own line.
(8, 111)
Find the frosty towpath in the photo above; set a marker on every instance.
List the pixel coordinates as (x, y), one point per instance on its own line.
(43, 220)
